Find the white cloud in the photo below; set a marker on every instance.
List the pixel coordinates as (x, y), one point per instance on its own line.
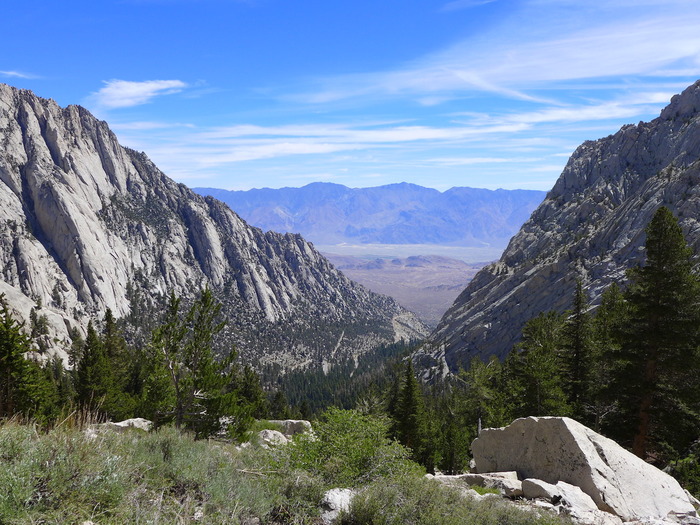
(539, 47)
(148, 125)
(124, 93)
(467, 161)
(17, 74)
(456, 5)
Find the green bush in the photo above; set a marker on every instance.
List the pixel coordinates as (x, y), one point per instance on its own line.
(349, 448)
(687, 472)
(413, 500)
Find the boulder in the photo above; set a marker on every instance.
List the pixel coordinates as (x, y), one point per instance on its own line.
(292, 427)
(272, 438)
(562, 494)
(334, 501)
(136, 422)
(507, 482)
(555, 449)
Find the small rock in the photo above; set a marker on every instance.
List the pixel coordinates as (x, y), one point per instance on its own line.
(292, 427)
(334, 502)
(506, 482)
(272, 438)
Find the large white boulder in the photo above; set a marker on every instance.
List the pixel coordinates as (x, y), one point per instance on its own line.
(556, 449)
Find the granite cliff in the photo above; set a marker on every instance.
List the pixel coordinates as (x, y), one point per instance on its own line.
(590, 226)
(86, 225)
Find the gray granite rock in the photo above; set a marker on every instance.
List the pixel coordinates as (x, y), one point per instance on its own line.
(590, 226)
(555, 449)
(86, 223)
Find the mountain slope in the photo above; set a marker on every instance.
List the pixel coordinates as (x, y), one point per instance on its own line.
(403, 213)
(88, 225)
(590, 226)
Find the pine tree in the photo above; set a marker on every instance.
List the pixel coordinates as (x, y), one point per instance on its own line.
(658, 360)
(411, 427)
(533, 371)
(186, 383)
(25, 388)
(13, 366)
(577, 342)
(608, 323)
(93, 376)
(483, 398)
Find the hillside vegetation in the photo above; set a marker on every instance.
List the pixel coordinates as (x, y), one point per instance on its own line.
(67, 475)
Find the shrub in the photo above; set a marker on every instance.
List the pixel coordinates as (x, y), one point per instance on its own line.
(348, 448)
(412, 500)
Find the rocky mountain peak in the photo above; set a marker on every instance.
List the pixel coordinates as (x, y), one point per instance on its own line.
(590, 226)
(87, 224)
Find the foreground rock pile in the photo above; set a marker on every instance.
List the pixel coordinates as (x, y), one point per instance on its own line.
(561, 464)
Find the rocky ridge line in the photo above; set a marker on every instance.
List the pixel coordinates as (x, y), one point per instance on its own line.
(86, 224)
(590, 226)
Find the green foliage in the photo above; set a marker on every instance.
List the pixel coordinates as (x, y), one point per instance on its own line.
(410, 422)
(687, 472)
(658, 363)
(93, 377)
(186, 384)
(420, 501)
(347, 382)
(24, 387)
(348, 448)
(533, 373)
(165, 476)
(576, 355)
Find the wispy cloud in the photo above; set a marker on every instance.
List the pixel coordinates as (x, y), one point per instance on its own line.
(537, 49)
(17, 74)
(148, 125)
(456, 5)
(124, 93)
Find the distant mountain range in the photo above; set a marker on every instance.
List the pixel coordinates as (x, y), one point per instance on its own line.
(329, 214)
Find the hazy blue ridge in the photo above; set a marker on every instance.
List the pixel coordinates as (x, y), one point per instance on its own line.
(404, 213)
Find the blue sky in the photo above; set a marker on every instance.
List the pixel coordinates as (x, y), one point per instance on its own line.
(239, 94)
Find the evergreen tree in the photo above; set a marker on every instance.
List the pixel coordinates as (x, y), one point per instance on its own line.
(577, 347)
(252, 392)
(659, 361)
(483, 398)
(186, 383)
(14, 344)
(453, 435)
(279, 406)
(93, 376)
(608, 323)
(25, 388)
(121, 401)
(532, 372)
(411, 427)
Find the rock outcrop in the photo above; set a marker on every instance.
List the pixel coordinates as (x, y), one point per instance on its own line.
(555, 450)
(590, 226)
(86, 225)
